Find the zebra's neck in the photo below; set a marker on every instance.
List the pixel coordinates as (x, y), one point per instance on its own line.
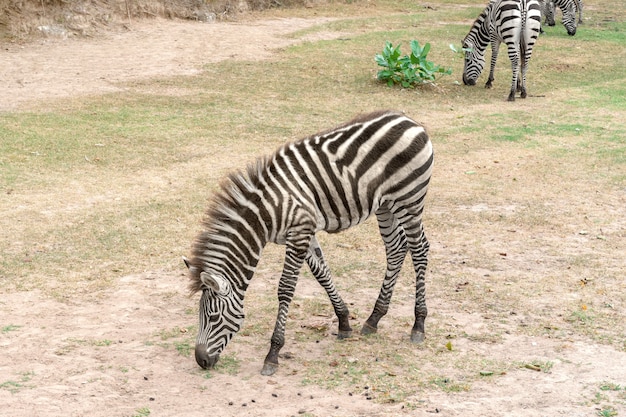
(478, 35)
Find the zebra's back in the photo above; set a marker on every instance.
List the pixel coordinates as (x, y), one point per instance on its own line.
(344, 175)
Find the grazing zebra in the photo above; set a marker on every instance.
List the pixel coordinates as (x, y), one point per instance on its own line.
(514, 22)
(568, 7)
(544, 7)
(378, 163)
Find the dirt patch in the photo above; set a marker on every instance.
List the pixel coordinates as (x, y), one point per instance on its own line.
(56, 68)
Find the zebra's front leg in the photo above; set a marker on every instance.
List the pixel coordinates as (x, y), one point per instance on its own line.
(321, 272)
(495, 48)
(270, 365)
(396, 248)
(294, 258)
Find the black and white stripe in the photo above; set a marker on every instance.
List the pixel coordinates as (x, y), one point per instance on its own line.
(514, 22)
(568, 8)
(378, 163)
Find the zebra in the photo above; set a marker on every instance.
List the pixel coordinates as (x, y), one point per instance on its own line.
(379, 163)
(568, 7)
(514, 22)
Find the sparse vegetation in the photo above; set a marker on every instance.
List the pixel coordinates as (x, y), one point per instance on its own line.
(228, 364)
(14, 386)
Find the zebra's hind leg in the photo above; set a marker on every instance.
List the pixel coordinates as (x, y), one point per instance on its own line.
(396, 248)
(516, 81)
(321, 272)
(511, 95)
(521, 83)
(419, 246)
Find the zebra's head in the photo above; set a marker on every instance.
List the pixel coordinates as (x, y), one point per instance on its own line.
(569, 18)
(220, 316)
(474, 62)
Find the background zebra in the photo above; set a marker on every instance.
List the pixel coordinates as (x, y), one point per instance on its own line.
(568, 7)
(376, 164)
(514, 22)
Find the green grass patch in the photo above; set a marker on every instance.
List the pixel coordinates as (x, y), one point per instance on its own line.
(227, 364)
(9, 328)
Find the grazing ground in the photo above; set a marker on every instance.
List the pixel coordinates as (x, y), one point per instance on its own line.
(112, 144)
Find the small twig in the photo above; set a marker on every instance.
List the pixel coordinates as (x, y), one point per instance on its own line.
(128, 12)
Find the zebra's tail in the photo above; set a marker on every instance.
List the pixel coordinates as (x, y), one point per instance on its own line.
(523, 46)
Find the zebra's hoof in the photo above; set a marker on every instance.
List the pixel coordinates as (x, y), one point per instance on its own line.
(344, 334)
(417, 337)
(367, 329)
(269, 369)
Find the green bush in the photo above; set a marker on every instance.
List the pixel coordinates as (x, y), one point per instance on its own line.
(408, 71)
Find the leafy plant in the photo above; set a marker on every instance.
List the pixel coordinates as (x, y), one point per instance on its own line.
(408, 70)
(459, 50)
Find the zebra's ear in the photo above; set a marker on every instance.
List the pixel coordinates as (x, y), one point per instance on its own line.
(191, 268)
(218, 284)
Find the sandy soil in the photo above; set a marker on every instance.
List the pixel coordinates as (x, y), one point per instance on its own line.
(102, 357)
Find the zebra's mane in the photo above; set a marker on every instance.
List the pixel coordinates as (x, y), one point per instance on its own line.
(480, 22)
(234, 190)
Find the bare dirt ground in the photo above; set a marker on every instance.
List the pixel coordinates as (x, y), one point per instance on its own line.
(55, 67)
(91, 357)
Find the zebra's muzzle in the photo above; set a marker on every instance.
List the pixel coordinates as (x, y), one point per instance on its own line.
(203, 358)
(468, 81)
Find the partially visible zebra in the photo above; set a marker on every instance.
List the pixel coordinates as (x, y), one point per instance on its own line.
(514, 22)
(568, 7)
(378, 163)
